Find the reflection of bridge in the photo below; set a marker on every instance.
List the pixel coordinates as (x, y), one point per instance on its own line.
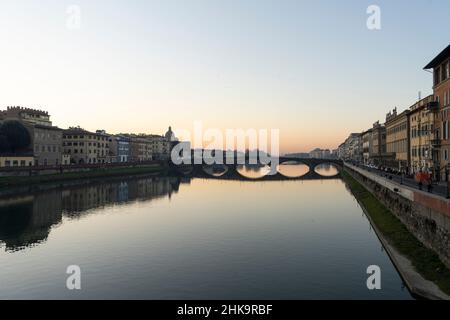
(230, 171)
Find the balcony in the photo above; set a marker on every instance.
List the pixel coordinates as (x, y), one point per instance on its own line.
(433, 106)
(436, 143)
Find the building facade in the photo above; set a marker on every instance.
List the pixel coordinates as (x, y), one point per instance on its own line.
(47, 145)
(397, 140)
(378, 153)
(14, 160)
(441, 89)
(119, 149)
(46, 140)
(160, 147)
(141, 148)
(320, 154)
(351, 150)
(341, 151)
(421, 122)
(366, 145)
(32, 116)
(86, 147)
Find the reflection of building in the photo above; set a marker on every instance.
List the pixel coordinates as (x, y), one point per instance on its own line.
(79, 200)
(27, 221)
(421, 122)
(86, 147)
(397, 139)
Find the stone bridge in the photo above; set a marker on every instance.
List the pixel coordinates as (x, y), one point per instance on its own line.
(231, 171)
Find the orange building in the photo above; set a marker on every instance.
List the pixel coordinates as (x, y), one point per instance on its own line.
(441, 88)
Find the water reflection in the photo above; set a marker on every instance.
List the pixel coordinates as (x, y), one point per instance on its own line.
(253, 171)
(26, 221)
(216, 170)
(326, 170)
(182, 238)
(293, 169)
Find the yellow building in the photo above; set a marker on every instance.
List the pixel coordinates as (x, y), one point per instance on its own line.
(141, 148)
(85, 147)
(397, 140)
(421, 122)
(16, 160)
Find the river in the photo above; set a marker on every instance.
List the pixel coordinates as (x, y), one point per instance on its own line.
(191, 238)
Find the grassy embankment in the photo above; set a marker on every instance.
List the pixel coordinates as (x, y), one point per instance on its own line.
(424, 260)
(6, 182)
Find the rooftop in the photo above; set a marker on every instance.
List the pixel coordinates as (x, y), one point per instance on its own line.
(441, 57)
(419, 105)
(28, 110)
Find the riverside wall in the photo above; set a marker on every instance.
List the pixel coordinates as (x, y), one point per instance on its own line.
(427, 216)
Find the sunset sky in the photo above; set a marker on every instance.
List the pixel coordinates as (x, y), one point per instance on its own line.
(309, 68)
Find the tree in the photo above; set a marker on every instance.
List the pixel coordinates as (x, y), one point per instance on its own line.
(16, 136)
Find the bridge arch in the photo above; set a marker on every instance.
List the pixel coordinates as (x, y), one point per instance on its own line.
(293, 168)
(253, 172)
(327, 169)
(215, 170)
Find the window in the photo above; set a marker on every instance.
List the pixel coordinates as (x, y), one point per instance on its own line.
(22, 163)
(7, 163)
(437, 72)
(447, 70)
(445, 130)
(445, 155)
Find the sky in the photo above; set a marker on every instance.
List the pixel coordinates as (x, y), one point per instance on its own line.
(311, 69)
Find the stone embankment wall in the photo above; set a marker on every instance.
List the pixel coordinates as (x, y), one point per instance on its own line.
(426, 216)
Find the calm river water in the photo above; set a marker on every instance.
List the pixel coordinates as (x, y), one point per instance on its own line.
(172, 238)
